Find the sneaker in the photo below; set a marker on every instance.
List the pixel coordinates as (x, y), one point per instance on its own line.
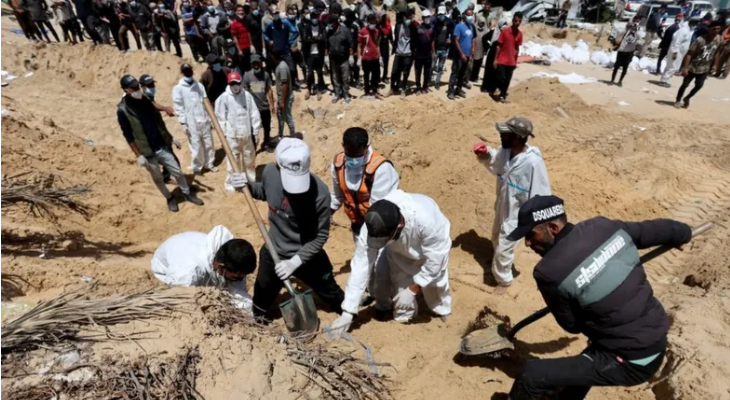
(386, 81)
(620, 84)
(678, 105)
(467, 85)
(335, 99)
(686, 103)
(377, 96)
(461, 93)
(504, 100)
(436, 86)
(307, 95)
(402, 93)
(194, 199)
(319, 96)
(451, 96)
(347, 99)
(172, 204)
(212, 168)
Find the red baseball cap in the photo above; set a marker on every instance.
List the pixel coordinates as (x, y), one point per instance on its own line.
(234, 77)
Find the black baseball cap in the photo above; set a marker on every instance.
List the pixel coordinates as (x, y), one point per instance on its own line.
(382, 220)
(146, 79)
(128, 81)
(536, 211)
(186, 67)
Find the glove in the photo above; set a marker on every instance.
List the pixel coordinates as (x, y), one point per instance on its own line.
(381, 62)
(142, 161)
(285, 269)
(253, 50)
(238, 180)
(359, 63)
(327, 61)
(405, 300)
(341, 325)
(263, 53)
(480, 149)
(177, 143)
(351, 61)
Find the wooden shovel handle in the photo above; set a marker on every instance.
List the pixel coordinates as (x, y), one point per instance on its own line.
(247, 191)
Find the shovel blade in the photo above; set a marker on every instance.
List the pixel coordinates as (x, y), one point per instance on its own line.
(484, 341)
(300, 315)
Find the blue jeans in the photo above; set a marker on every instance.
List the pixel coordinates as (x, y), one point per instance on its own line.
(286, 113)
(440, 62)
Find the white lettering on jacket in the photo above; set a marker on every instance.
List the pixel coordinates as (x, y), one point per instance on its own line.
(587, 274)
(548, 213)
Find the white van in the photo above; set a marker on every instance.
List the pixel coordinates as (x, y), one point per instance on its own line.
(698, 8)
(647, 9)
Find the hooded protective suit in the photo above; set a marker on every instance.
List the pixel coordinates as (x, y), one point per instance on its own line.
(186, 259)
(240, 119)
(420, 255)
(518, 179)
(187, 99)
(677, 50)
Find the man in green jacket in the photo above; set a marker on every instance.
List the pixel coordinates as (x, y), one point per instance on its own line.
(145, 131)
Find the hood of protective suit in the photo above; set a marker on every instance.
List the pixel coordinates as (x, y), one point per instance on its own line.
(185, 83)
(215, 239)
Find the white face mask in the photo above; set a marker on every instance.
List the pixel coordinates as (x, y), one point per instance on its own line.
(235, 89)
(189, 79)
(137, 94)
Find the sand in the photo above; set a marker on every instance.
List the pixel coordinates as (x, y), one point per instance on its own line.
(600, 160)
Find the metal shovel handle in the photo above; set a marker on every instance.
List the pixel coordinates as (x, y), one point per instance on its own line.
(643, 259)
(246, 191)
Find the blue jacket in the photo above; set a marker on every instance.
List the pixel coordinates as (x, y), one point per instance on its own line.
(283, 37)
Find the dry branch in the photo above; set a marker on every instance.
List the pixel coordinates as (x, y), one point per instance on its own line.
(59, 320)
(43, 194)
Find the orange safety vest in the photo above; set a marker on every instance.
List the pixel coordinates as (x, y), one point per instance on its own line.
(357, 203)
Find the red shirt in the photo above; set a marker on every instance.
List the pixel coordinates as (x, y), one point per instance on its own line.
(369, 42)
(239, 31)
(509, 44)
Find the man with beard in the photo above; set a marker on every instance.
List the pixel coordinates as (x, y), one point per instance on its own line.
(521, 175)
(593, 283)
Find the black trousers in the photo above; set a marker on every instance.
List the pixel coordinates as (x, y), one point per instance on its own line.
(401, 71)
(371, 75)
(385, 55)
(504, 77)
(317, 274)
(69, 31)
(662, 53)
(489, 81)
(114, 28)
(198, 46)
(576, 375)
(47, 24)
(458, 72)
(266, 124)
(354, 71)
(423, 66)
(699, 82)
(623, 59)
(315, 63)
(475, 69)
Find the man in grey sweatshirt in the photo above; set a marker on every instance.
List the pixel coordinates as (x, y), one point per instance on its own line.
(299, 224)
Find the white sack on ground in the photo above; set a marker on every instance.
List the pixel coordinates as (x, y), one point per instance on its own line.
(569, 78)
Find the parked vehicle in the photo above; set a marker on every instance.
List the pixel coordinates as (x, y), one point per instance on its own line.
(647, 9)
(696, 8)
(627, 9)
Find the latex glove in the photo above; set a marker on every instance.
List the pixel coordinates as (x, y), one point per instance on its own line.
(327, 61)
(142, 161)
(480, 149)
(263, 53)
(381, 62)
(238, 180)
(285, 269)
(405, 300)
(359, 63)
(351, 61)
(177, 143)
(253, 50)
(341, 325)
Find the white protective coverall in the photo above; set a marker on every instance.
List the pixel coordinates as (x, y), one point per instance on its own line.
(187, 99)
(186, 259)
(518, 179)
(240, 119)
(420, 255)
(386, 180)
(677, 50)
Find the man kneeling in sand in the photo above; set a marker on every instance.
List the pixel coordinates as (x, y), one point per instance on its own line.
(212, 259)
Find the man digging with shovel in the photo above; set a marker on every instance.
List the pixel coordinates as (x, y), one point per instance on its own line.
(593, 283)
(299, 220)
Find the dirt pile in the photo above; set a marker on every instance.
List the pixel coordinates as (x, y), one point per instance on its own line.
(62, 120)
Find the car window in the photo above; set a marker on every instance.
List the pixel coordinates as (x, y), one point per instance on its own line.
(703, 6)
(643, 11)
(673, 11)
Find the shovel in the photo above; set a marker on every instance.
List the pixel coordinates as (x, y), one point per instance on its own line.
(299, 312)
(495, 339)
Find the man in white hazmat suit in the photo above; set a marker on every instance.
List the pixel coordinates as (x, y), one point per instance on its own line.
(521, 175)
(240, 119)
(212, 259)
(187, 98)
(414, 236)
(677, 50)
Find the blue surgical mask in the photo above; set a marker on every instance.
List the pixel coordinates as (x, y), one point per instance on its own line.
(133, 3)
(442, 17)
(216, 67)
(408, 21)
(161, 6)
(315, 21)
(469, 18)
(292, 16)
(372, 27)
(256, 12)
(257, 70)
(311, 9)
(276, 17)
(229, 12)
(150, 92)
(211, 9)
(232, 51)
(356, 162)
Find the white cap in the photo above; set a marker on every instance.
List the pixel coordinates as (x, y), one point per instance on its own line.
(442, 10)
(426, 13)
(292, 156)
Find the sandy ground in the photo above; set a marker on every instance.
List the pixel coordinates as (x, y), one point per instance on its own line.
(630, 162)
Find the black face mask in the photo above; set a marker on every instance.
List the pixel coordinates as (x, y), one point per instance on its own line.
(506, 142)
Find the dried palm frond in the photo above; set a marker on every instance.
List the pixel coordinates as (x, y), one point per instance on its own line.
(43, 194)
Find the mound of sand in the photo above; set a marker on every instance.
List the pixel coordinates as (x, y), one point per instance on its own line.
(62, 120)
